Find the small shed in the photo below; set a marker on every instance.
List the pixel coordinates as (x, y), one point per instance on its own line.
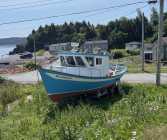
(54, 48)
(90, 46)
(150, 50)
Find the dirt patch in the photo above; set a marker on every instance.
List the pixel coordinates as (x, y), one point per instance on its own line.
(155, 133)
(12, 70)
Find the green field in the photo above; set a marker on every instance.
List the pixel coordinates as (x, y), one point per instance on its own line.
(134, 65)
(138, 111)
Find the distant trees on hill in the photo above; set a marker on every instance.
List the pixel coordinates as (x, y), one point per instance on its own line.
(117, 32)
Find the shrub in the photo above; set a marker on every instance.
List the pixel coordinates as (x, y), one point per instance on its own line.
(31, 66)
(1, 80)
(40, 52)
(9, 93)
(119, 53)
(133, 52)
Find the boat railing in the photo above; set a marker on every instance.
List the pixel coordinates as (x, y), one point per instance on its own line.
(91, 72)
(80, 71)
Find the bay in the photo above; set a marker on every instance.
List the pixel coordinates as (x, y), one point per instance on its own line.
(5, 49)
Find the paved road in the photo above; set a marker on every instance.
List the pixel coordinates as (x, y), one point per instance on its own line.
(143, 78)
(32, 78)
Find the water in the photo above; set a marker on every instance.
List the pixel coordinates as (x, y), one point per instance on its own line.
(5, 49)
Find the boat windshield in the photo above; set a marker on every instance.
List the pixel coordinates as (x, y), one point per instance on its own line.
(70, 61)
(90, 61)
(62, 60)
(79, 61)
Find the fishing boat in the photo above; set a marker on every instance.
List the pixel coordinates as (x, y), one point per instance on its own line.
(75, 73)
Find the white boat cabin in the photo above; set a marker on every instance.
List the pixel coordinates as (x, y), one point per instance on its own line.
(91, 65)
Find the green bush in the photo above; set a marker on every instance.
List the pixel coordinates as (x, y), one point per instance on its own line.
(40, 52)
(31, 66)
(2, 80)
(119, 53)
(133, 52)
(10, 92)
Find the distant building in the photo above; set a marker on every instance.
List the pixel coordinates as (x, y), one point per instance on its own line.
(54, 48)
(163, 50)
(90, 46)
(132, 46)
(150, 50)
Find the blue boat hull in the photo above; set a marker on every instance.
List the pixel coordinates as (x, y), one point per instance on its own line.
(60, 85)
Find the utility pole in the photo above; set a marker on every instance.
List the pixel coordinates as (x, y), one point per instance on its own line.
(35, 58)
(143, 57)
(158, 80)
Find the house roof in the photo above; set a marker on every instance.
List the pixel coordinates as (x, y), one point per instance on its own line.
(165, 40)
(148, 52)
(64, 44)
(148, 45)
(133, 43)
(97, 42)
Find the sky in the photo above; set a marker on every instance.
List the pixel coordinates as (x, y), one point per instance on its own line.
(14, 10)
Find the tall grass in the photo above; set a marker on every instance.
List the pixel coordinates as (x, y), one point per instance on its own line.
(10, 92)
(118, 116)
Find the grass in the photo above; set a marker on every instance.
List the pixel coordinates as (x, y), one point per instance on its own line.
(40, 52)
(134, 65)
(11, 92)
(138, 111)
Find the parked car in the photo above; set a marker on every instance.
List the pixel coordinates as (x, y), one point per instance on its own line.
(26, 55)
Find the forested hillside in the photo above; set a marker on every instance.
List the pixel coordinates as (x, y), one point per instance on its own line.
(12, 40)
(117, 32)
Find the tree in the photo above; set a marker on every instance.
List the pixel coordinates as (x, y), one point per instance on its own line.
(117, 32)
(154, 17)
(117, 39)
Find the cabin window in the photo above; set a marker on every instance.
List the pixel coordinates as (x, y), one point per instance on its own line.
(70, 61)
(79, 61)
(62, 60)
(90, 61)
(98, 61)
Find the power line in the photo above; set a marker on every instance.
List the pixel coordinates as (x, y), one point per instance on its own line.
(18, 4)
(69, 14)
(136, 10)
(36, 5)
(97, 13)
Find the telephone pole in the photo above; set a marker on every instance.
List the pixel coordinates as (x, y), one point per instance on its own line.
(35, 59)
(158, 80)
(143, 57)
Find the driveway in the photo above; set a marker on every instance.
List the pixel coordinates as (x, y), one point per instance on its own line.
(34, 76)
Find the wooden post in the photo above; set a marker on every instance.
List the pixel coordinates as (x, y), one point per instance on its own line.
(143, 57)
(35, 59)
(158, 72)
